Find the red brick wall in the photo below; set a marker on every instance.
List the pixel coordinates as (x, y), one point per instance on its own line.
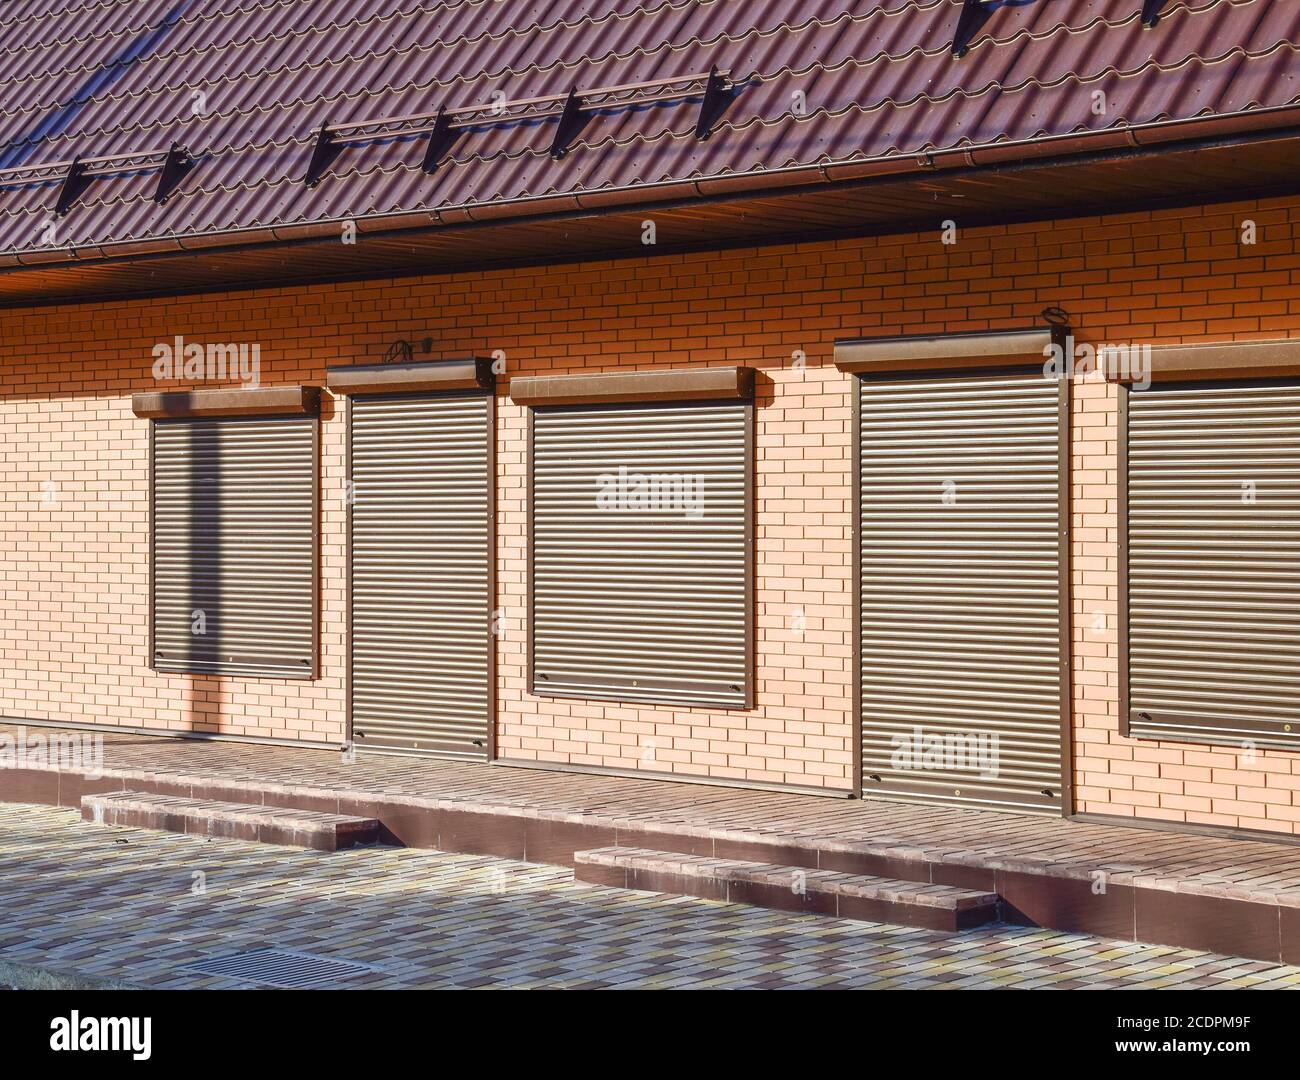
(74, 547)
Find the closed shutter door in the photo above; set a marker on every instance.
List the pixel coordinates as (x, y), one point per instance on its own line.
(640, 553)
(1214, 563)
(421, 573)
(962, 539)
(234, 546)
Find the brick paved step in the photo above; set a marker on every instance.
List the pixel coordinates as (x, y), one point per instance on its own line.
(234, 821)
(788, 888)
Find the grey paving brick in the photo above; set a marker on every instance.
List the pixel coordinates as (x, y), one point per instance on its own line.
(73, 899)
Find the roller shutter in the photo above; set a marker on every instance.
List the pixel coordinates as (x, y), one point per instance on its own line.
(234, 546)
(421, 573)
(963, 530)
(1213, 565)
(640, 552)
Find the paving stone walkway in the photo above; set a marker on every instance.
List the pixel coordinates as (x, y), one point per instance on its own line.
(136, 907)
(1266, 872)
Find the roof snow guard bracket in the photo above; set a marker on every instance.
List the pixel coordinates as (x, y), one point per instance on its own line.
(323, 152)
(572, 121)
(974, 14)
(1151, 12)
(440, 139)
(717, 95)
(75, 181)
(176, 164)
(570, 110)
(172, 165)
(75, 176)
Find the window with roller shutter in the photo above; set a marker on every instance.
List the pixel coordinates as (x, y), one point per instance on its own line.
(1213, 562)
(641, 563)
(234, 545)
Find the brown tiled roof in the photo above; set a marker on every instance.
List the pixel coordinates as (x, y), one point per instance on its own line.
(246, 85)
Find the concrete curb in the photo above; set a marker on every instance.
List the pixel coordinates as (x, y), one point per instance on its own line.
(27, 977)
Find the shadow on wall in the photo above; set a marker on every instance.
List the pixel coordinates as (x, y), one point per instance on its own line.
(70, 431)
(218, 630)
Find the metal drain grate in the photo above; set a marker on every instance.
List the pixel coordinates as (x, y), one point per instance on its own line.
(287, 970)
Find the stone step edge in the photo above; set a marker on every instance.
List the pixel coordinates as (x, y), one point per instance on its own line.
(234, 821)
(189, 807)
(1117, 873)
(828, 882)
(947, 854)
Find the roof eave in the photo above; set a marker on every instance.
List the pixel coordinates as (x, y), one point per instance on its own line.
(1154, 135)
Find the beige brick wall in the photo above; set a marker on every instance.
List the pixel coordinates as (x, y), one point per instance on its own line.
(800, 730)
(1166, 781)
(74, 549)
(1181, 276)
(74, 543)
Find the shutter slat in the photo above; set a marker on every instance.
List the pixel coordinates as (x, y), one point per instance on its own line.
(1214, 563)
(961, 599)
(420, 573)
(234, 536)
(634, 602)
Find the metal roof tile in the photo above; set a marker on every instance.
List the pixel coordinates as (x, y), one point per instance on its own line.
(108, 77)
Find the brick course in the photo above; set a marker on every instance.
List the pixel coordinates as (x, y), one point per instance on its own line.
(74, 489)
